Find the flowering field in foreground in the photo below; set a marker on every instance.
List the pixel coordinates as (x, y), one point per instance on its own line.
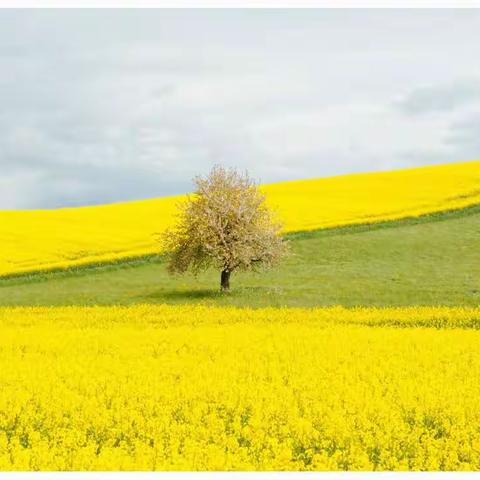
(46, 239)
(166, 387)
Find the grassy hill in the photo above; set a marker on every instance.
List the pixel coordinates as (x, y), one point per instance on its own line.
(50, 239)
(433, 260)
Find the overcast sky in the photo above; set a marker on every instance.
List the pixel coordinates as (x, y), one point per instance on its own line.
(106, 105)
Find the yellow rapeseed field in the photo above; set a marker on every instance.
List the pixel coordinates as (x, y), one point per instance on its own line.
(191, 387)
(49, 239)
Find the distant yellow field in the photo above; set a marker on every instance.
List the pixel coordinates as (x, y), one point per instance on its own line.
(48, 239)
(198, 388)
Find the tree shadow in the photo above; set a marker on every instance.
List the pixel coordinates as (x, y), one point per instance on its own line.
(246, 295)
(176, 296)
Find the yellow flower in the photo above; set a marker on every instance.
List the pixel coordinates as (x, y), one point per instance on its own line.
(239, 389)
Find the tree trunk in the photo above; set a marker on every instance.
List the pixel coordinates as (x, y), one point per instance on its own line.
(225, 280)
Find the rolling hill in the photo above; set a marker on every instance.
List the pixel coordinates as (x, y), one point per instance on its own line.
(96, 376)
(431, 260)
(42, 240)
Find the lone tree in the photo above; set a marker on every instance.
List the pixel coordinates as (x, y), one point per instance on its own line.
(225, 224)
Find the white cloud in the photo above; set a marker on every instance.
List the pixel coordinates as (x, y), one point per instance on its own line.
(113, 105)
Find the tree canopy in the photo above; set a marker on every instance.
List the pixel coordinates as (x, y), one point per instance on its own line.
(225, 224)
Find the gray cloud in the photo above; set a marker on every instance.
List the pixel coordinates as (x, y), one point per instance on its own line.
(441, 98)
(112, 105)
(465, 134)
